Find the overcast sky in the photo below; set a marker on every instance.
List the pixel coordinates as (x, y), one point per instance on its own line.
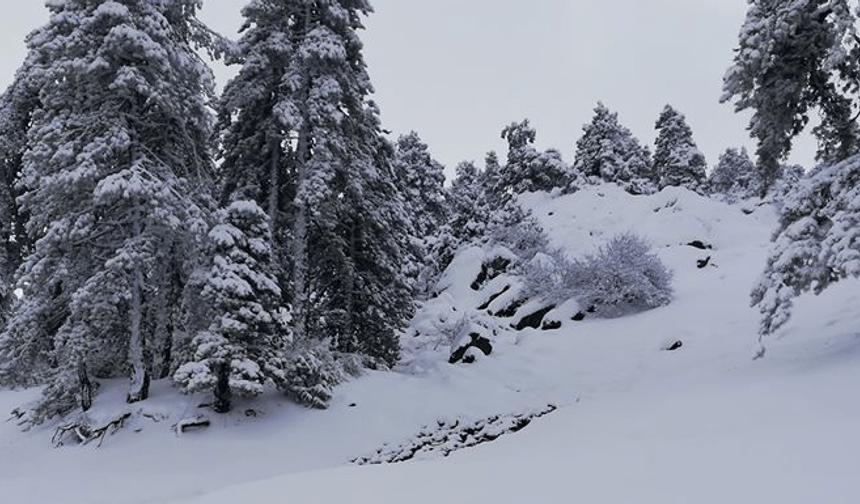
(457, 71)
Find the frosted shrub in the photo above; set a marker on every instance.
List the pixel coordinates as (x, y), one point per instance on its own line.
(623, 276)
(552, 277)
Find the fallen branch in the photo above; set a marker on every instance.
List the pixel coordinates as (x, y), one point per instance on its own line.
(85, 434)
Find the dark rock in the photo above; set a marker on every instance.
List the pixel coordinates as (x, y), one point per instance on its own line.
(494, 297)
(591, 309)
(579, 317)
(534, 319)
(481, 343)
(674, 346)
(699, 244)
(475, 340)
(551, 325)
(703, 263)
(352, 405)
(490, 271)
(511, 310)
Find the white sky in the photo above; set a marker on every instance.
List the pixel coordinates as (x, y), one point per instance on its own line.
(457, 71)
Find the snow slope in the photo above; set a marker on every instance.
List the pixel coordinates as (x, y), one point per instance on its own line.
(703, 424)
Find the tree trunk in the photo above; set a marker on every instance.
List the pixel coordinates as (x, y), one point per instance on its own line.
(300, 225)
(86, 387)
(274, 183)
(139, 389)
(222, 388)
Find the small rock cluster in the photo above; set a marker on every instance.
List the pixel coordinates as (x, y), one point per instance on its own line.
(445, 437)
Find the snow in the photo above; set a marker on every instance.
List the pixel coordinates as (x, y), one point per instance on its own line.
(701, 424)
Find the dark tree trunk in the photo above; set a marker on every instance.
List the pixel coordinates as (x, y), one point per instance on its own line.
(86, 387)
(222, 389)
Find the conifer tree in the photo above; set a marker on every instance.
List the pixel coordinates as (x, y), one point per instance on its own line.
(17, 106)
(526, 168)
(734, 176)
(793, 58)
(245, 345)
(470, 207)
(420, 180)
(607, 151)
(677, 160)
(115, 178)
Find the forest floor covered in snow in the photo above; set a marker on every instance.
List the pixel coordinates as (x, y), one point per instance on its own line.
(629, 421)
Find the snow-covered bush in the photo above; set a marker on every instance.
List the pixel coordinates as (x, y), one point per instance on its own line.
(623, 276)
(551, 276)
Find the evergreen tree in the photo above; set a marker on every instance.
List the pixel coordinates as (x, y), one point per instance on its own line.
(526, 168)
(492, 172)
(115, 173)
(794, 57)
(257, 144)
(244, 346)
(677, 160)
(17, 105)
(734, 176)
(470, 207)
(609, 152)
(302, 139)
(420, 180)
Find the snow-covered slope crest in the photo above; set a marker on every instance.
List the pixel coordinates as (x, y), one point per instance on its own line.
(675, 216)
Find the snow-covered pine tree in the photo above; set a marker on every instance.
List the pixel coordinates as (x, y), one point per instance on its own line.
(470, 208)
(607, 151)
(677, 160)
(115, 175)
(245, 345)
(363, 299)
(257, 143)
(526, 168)
(420, 180)
(794, 57)
(734, 176)
(17, 105)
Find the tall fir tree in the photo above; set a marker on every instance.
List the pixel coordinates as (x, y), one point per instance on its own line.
(677, 160)
(421, 181)
(17, 106)
(526, 168)
(607, 151)
(308, 132)
(115, 176)
(793, 58)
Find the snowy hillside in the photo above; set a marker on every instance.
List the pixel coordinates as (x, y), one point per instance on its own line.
(633, 422)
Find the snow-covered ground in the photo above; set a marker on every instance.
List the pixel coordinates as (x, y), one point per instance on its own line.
(635, 423)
